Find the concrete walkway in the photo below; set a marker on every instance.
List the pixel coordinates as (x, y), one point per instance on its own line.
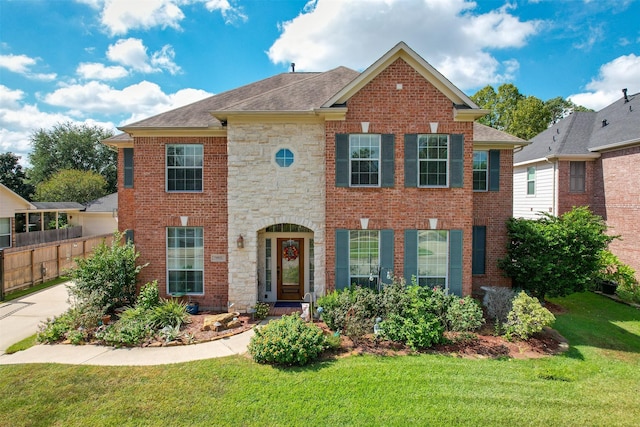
(20, 318)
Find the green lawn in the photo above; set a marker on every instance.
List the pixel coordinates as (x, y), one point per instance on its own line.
(596, 383)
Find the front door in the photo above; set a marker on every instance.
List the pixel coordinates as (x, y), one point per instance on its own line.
(290, 269)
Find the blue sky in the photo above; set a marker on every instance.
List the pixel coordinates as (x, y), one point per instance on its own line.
(110, 62)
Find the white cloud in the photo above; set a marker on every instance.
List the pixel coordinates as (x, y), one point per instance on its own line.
(21, 64)
(120, 16)
(448, 34)
(622, 72)
(97, 71)
(141, 100)
(132, 53)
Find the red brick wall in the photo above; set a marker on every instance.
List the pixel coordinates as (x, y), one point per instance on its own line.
(622, 203)
(399, 112)
(566, 199)
(149, 210)
(492, 209)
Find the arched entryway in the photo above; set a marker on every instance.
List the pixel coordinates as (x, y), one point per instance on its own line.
(286, 262)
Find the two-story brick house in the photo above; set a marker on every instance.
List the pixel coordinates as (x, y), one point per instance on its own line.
(308, 182)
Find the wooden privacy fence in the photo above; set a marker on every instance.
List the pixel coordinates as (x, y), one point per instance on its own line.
(25, 266)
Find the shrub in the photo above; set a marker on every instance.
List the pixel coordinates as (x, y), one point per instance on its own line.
(498, 301)
(108, 278)
(149, 296)
(287, 341)
(418, 332)
(133, 327)
(55, 329)
(170, 312)
(464, 315)
(335, 307)
(555, 256)
(262, 310)
(614, 270)
(527, 317)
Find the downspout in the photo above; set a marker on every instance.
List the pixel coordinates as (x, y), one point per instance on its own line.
(553, 188)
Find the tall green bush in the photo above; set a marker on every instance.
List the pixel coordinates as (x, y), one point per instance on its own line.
(108, 277)
(555, 256)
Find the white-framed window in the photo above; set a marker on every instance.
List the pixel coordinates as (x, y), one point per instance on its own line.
(577, 175)
(364, 160)
(480, 170)
(5, 232)
(531, 180)
(364, 257)
(433, 160)
(433, 258)
(185, 260)
(184, 167)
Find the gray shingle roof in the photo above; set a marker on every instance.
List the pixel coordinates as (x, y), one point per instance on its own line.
(55, 206)
(104, 204)
(582, 132)
(282, 92)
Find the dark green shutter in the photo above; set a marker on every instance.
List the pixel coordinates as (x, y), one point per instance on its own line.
(479, 249)
(388, 160)
(386, 254)
(455, 262)
(410, 255)
(411, 160)
(456, 159)
(342, 259)
(128, 167)
(342, 160)
(494, 170)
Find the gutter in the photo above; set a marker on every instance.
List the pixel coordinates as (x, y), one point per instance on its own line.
(615, 145)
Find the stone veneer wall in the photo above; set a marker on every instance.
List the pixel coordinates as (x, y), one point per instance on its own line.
(260, 193)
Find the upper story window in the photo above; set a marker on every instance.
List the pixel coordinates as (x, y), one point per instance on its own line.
(480, 170)
(128, 167)
(364, 158)
(184, 167)
(284, 158)
(433, 157)
(577, 174)
(531, 180)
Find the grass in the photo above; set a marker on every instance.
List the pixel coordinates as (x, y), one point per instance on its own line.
(33, 289)
(597, 382)
(22, 345)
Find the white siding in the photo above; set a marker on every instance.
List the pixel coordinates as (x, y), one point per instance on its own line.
(10, 202)
(97, 223)
(544, 200)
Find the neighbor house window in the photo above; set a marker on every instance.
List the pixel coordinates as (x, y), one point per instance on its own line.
(480, 170)
(433, 158)
(433, 258)
(365, 160)
(184, 167)
(364, 257)
(284, 158)
(577, 177)
(185, 260)
(5, 232)
(531, 180)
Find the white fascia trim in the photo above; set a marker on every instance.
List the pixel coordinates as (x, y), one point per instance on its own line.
(616, 145)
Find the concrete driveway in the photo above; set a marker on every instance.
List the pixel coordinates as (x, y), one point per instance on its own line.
(20, 318)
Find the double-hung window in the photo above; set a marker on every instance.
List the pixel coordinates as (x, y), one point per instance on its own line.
(577, 177)
(5, 232)
(364, 257)
(185, 260)
(433, 158)
(480, 170)
(364, 159)
(433, 259)
(531, 180)
(184, 167)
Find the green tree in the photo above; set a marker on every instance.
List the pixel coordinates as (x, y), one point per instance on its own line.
(561, 108)
(72, 146)
(530, 117)
(13, 177)
(72, 186)
(555, 256)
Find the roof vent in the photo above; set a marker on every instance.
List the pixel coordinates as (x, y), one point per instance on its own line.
(624, 92)
(605, 123)
(293, 67)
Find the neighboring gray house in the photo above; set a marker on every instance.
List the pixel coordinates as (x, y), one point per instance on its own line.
(587, 159)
